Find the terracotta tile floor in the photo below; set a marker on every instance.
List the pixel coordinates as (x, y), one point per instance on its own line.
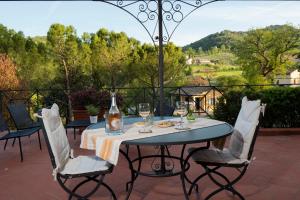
(275, 174)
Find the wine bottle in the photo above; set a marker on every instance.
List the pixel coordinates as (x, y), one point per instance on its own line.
(114, 116)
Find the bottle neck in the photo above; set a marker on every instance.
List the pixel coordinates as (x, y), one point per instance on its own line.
(113, 100)
(114, 107)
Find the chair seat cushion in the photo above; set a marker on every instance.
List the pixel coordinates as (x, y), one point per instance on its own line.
(215, 156)
(20, 133)
(85, 164)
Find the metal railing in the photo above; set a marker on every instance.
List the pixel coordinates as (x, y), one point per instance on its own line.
(200, 99)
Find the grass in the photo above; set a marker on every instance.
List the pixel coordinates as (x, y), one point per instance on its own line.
(216, 71)
(219, 73)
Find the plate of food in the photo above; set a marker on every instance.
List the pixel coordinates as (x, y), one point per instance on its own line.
(139, 124)
(165, 124)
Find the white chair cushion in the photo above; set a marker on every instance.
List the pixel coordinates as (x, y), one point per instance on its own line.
(85, 164)
(246, 123)
(236, 144)
(216, 156)
(57, 135)
(249, 110)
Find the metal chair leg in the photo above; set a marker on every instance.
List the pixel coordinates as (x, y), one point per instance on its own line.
(20, 146)
(74, 133)
(192, 183)
(72, 193)
(39, 140)
(13, 144)
(110, 190)
(127, 149)
(229, 184)
(5, 144)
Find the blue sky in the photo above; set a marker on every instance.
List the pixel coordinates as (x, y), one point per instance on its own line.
(34, 18)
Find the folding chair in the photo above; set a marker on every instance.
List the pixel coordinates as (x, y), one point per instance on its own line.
(65, 165)
(15, 134)
(22, 119)
(238, 155)
(20, 116)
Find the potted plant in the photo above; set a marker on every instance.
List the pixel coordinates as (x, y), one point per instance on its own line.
(93, 111)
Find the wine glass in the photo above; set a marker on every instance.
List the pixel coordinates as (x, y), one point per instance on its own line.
(144, 111)
(181, 109)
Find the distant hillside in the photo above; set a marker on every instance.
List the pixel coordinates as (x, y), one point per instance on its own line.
(215, 40)
(218, 39)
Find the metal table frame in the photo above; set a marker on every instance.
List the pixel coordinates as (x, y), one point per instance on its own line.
(182, 138)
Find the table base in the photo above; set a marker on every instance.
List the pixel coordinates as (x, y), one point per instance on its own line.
(161, 172)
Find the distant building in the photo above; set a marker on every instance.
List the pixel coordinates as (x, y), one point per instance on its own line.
(200, 99)
(189, 61)
(202, 61)
(198, 61)
(291, 77)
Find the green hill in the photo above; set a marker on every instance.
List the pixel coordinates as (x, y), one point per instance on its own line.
(215, 40)
(225, 38)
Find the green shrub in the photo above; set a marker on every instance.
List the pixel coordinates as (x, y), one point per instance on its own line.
(283, 106)
(92, 110)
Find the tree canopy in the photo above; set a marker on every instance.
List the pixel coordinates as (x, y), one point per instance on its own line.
(63, 59)
(263, 53)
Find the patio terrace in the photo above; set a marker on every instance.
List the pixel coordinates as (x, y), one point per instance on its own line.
(273, 175)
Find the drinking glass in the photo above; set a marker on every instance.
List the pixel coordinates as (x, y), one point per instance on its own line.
(181, 109)
(144, 111)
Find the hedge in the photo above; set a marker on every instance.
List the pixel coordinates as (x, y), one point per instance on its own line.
(282, 111)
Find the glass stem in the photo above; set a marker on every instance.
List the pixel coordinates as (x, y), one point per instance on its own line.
(181, 119)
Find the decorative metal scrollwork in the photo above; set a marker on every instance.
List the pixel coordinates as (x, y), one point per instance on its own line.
(146, 13)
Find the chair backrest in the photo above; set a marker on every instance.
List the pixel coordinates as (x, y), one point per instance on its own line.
(3, 124)
(20, 115)
(255, 134)
(167, 110)
(246, 128)
(55, 136)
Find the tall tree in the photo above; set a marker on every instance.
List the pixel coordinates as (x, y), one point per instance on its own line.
(263, 53)
(64, 44)
(147, 71)
(110, 57)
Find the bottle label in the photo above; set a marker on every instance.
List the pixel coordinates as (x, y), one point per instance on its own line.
(115, 124)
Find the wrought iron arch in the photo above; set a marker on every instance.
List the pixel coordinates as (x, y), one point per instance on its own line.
(153, 15)
(146, 12)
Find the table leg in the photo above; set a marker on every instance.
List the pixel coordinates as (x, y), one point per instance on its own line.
(162, 171)
(163, 164)
(133, 177)
(184, 162)
(162, 159)
(139, 166)
(182, 175)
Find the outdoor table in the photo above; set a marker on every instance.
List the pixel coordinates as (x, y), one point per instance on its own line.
(184, 137)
